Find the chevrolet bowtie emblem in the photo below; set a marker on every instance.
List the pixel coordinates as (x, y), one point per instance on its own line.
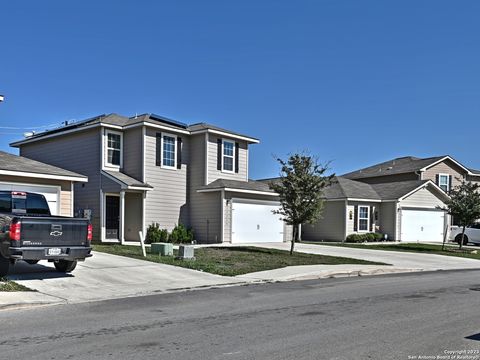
(56, 233)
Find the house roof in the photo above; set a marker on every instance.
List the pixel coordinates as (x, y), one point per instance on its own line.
(15, 165)
(125, 180)
(343, 188)
(400, 165)
(116, 120)
(201, 127)
(236, 185)
(396, 190)
(346, 188)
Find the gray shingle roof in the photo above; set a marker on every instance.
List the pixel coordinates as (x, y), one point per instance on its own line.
(122, 121)
(236, 184)
(205, 126)
(344, 188)
(401, 165)
(127, 180)
(11, 162)
(395, 190)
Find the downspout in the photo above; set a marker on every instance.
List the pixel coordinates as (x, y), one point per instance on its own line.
(222, 216)
(345, 220)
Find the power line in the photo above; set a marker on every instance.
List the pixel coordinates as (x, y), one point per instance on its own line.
(28, 128)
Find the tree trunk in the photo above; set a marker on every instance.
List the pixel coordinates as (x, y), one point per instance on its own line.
(294, 238)
(463, 236)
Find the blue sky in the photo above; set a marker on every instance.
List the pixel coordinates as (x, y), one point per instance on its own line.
(353, 82)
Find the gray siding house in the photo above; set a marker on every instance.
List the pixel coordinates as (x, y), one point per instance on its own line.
(149, 169)
(18, 173)
(402, 198)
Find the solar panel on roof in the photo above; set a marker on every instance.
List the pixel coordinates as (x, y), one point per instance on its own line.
(168, 121)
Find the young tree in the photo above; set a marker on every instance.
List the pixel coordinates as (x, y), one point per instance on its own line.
(464, 205)
(300, 187)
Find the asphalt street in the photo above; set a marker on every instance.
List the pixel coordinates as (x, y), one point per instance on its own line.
(380, 317)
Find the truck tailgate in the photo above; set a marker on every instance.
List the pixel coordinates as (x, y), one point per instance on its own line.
(53, 231)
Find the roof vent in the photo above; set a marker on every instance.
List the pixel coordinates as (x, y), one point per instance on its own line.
(389, 168)
(28, 134)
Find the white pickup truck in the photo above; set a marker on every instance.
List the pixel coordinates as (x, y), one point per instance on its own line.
(472, 234)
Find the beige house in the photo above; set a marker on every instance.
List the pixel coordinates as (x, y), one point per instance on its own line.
(18, 173)
(149, 169)
(402, 198)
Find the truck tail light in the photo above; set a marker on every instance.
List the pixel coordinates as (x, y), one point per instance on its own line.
(89, 232)
(15, 231)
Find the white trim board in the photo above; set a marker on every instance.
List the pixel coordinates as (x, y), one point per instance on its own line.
(43, 176)
(226, 134)
(238, 191)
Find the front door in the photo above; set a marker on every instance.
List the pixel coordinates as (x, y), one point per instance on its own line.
(112, 210)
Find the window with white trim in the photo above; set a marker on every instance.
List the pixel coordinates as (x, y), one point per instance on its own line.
(169, 151)
(363, 218)
(228, 158)
(444, 182)
(114, 148)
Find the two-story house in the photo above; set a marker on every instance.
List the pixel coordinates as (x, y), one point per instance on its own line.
(150, 169)
(402, 198)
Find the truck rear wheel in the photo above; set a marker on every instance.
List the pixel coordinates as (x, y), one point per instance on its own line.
(65, 266)
(4, 265)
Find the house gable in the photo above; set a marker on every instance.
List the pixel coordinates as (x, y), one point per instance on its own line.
(424, 197)
(447, 167)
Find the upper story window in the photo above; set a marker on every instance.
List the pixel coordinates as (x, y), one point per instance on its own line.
(228, 158)
(169, 150)
(363, 218)
(114, 148)
(444, 182)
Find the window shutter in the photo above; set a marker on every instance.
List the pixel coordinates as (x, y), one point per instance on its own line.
(237, 147)
(219, 154)
(372, 217)
(158, 151)
(179, 152)
(437, 179)
(355, 218)
(450, 181)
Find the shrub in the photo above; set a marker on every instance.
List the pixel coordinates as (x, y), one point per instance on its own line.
(180, 234)
(154, 233)
(367, 237)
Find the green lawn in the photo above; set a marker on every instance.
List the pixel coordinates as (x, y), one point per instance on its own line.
(231, 261)
(8, 286)
(418, 248)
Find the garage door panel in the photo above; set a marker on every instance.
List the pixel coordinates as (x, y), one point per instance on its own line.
(50, 193)
(422, 225)
(256, 223)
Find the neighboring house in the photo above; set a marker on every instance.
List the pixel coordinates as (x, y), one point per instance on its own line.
(400, 197)
(148, 169)
(18, 173)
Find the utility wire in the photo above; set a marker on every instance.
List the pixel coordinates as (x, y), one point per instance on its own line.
(28, 128)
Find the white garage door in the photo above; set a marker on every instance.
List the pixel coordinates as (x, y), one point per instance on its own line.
(422, 225)
(256, 223)
(50, 193)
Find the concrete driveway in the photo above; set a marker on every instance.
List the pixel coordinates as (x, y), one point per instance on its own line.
(105, 276)
(405, 260)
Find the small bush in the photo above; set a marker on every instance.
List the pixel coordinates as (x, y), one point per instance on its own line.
(367, 237)
(155, 234)
(180, 234)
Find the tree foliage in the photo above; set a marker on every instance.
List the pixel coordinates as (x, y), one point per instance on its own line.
(300, 187)
(464, 205)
